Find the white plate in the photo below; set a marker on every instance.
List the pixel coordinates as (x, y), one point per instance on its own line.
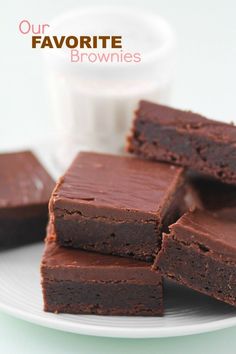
(186, 312)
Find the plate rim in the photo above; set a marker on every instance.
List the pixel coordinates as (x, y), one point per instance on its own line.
(115, 332)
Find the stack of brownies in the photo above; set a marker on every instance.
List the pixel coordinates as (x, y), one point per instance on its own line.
(118, 224)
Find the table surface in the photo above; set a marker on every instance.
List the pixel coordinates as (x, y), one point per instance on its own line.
(205, 82)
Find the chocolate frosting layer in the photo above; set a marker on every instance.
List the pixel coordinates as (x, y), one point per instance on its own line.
(61, 263)
(126, 184)
(23, 180)
(213, 234)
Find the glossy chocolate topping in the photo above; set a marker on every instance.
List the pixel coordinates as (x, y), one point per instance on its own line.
(73, 264)
(23, 180)
(213, 234)
(116, 182)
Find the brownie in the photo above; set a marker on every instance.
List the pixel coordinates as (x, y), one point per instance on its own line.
(25, 188)
(200, 253)
(184, 138)
(210, 194)
(116, 204)
(80, 282)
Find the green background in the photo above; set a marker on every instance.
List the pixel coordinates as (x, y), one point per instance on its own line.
(17, 336)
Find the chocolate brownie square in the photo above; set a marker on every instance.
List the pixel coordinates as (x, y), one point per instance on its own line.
(186, 139)
(80, 282)
(25, 188)
(116, 204)
(200, 253)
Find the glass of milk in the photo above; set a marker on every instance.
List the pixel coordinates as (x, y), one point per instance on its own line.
(93, 103)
